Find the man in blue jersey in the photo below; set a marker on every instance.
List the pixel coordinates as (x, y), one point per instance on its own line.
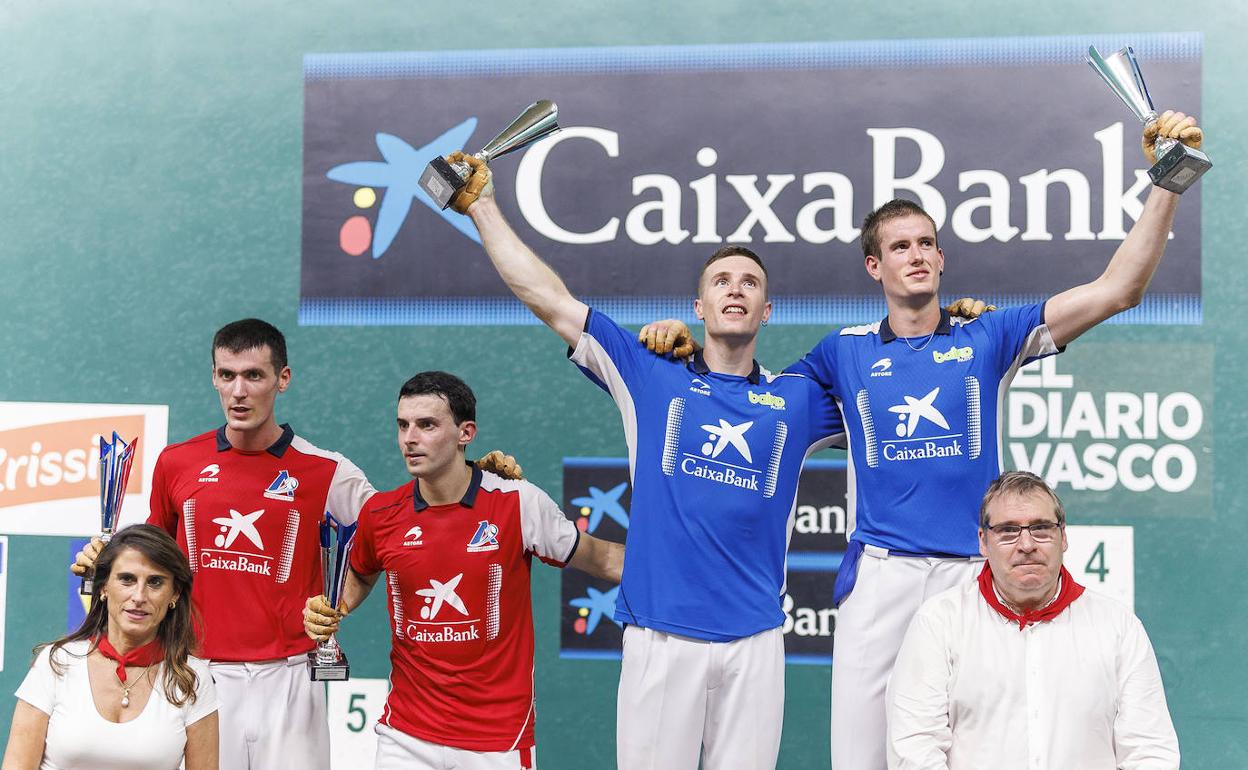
(715, 449)
(920, 393)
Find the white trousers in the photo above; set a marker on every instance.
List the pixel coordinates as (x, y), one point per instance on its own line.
(396, 750)
(870, 625)
(272, 716)
(682, 698)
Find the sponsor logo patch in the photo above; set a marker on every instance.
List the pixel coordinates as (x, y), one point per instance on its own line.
(282, 488)
(954, 354)
(485, 538)
(766, 399)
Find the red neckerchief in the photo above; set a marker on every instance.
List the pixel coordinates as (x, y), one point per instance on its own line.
(150, 653)
(1070, 591)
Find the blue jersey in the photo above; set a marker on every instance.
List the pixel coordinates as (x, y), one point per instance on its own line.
(714, 460)
(923, 422)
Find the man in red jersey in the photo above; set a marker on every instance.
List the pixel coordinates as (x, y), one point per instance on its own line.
(245, 502)
(457, 546)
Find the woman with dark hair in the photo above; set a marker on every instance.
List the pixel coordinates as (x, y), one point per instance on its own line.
(122, 692)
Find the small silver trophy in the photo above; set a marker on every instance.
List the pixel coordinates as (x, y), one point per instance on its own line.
(1178, 166)
(442, 180)
(116, 459)
(328, 663)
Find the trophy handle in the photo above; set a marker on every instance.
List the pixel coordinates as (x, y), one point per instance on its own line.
(87, 586)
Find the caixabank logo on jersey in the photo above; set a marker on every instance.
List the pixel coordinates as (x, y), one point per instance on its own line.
(668, 153)
(1124, 427)
(597, 498)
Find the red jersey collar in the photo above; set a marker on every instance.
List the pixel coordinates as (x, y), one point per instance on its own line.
(1069, 591)
(470, 496)
(277, 448)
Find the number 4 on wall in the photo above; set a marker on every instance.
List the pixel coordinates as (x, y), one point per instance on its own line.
(1096, 562)
(1103, 559)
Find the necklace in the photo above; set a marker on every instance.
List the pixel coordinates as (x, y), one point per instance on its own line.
(926, 342)
(125, 690)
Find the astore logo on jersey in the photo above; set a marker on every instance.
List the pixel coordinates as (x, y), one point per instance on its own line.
(881, 368)
(699, 386)
(411, 538)
(209, 474)
(282, 488)
(485, 538)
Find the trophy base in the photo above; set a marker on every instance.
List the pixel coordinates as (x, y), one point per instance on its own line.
(441, 182)
(1179, 167)
(338, 671)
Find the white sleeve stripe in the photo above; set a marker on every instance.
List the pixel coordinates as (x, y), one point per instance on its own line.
(546, 532)
(348, 490)
(1038, 343)
(593, 356)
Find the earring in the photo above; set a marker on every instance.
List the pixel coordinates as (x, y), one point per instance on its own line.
(764, 322)
(172, 605)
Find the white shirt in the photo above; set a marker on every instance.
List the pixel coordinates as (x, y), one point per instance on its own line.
(78, 737)
(1079, 692)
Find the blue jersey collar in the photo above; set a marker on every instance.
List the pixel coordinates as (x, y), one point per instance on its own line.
(888, 335)
(698, 365)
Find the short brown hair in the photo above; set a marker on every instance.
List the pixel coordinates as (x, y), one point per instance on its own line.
(1018, 483)
(731, 251)
(251, 334)
(897, 207)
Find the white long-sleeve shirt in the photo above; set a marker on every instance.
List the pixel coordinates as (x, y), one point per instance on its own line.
(1080, 692)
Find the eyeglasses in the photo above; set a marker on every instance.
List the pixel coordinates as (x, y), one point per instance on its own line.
(1041, 532)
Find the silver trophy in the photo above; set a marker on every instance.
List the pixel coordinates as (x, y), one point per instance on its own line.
(1178, 166)
(328, 662)
(442, 180)
(116, 459)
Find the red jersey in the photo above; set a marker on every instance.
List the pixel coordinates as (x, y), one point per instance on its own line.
(458, 579)
(249, 522)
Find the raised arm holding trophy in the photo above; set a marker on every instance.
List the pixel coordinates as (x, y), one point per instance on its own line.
(1176, 165)
(444, 178)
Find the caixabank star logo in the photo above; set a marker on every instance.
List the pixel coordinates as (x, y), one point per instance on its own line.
(597, 495)
(384, 190)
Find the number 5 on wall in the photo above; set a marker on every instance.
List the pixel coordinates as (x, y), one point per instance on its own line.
(353, 709)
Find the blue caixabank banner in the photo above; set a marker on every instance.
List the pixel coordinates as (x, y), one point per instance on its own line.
(1029, 165)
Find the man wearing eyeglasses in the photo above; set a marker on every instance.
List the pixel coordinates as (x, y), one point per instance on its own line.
(1023, 668)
